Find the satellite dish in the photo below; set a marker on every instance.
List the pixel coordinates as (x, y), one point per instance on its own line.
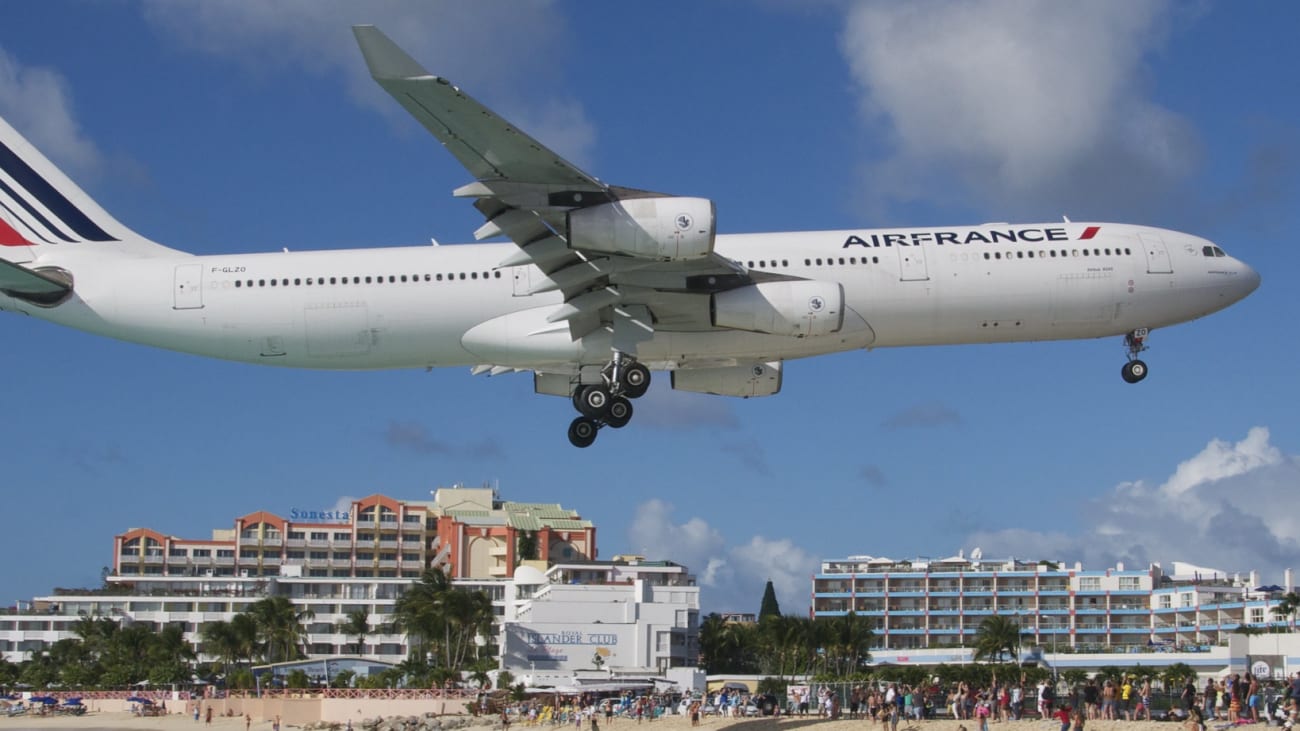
(976, 554)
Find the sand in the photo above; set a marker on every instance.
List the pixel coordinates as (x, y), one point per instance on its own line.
(178, 722)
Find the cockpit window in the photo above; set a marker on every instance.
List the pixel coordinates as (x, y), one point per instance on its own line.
(1207, 251)
(1218, 251)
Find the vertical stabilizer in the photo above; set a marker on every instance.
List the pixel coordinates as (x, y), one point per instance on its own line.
(41, 209)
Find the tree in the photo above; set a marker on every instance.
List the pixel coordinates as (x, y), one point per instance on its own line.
(443, 622)
(1287, 607)
(356, 625)
(769, 606)
(844, 643)
(280, 627)
(526, 548)
(997, 636)
(1177, 675)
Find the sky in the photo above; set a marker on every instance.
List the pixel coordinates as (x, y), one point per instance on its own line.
(228, 126)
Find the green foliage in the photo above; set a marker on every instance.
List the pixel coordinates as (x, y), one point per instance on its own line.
(775, 686)
(240, 679)
(1177, 674)
(1074, 676)
(504, 679)
(297, 679)
(442, 621)
(769, 607)
(344, 679)
(356, 625)
(526, 548)
(280, 627)
(1109, 672)
(996, 637)
(518, 692)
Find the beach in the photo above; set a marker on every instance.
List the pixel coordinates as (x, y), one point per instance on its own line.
(123, 721)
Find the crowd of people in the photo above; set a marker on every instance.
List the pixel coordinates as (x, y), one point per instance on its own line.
(1231, 700)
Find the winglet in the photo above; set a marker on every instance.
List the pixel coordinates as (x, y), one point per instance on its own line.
(384, 58)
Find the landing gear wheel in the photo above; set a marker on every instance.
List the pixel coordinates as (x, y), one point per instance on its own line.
(1134, 371)
(620, 413)
(636, 380)
(592, 401)
(582, 432)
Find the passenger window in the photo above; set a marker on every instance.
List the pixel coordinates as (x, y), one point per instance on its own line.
(841, 261)
(986, 255)
(462, 276)
(807, 262)
(439, 277)
(1020, 254)
(875, 260)
(237, 283)
(819, 262)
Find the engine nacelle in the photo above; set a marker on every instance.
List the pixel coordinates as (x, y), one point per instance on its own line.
(746, 381)
(651, 228)
(797, 308)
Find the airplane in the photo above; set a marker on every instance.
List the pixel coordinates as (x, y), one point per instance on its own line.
(598, 285)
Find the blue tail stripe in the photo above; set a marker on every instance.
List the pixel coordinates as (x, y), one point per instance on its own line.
(52, 199)
(33, 212)
(19, 219)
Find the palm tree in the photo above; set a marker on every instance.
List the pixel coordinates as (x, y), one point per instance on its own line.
(443, 622)
(170, 656)
(1287, 607)
(280, 626)
(356, 625)
(845, 642)
(219, 640)
(997, 636)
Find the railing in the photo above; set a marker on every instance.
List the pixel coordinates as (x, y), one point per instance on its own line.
(405, 694)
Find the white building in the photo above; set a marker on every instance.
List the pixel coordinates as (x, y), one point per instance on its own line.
(628, 616)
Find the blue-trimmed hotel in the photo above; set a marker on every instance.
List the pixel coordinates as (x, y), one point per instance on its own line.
(927, 610)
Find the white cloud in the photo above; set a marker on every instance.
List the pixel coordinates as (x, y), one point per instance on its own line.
(493, 50)
(1227, 506)
(37, 103)
(1027, 103)
(731, 576)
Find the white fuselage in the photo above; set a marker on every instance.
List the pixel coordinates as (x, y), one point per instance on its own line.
(450, 306)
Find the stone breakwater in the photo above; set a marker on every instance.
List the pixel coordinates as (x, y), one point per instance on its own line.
(426, 722)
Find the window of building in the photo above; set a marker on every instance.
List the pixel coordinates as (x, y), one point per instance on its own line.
(320, 536)
(343, 537)
(1130, 583)
(1089, 583)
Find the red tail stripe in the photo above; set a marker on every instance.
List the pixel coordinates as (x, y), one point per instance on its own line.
(1090, 232)
(10, 237)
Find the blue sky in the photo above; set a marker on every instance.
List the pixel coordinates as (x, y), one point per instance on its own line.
(233, 126)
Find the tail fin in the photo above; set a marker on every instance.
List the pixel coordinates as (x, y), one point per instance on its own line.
(42, 210)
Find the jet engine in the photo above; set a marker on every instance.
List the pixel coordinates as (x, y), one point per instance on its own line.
(746, 381)
(796, 308)
(669, 229)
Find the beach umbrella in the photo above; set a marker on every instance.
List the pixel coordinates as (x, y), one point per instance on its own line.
(50, 701)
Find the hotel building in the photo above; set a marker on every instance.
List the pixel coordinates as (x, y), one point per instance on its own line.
(467, 532)
(363, 559)
(938, 605)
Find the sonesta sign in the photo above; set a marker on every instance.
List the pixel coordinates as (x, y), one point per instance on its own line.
(1029, 234)
(320, 516)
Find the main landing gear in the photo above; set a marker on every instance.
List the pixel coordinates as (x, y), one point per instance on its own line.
(1134, 343)
(608, 403)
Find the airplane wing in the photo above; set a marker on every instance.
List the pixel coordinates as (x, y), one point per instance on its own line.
(623, 258)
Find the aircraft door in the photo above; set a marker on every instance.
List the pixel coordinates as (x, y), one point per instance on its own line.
(911, 264)
(188, 287)
(523, 279)
(1157, 255)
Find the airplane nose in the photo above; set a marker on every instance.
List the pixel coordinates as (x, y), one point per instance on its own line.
(1249, 279)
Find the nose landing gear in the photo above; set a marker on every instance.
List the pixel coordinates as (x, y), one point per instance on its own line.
(1134, 343)
(608, 403)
